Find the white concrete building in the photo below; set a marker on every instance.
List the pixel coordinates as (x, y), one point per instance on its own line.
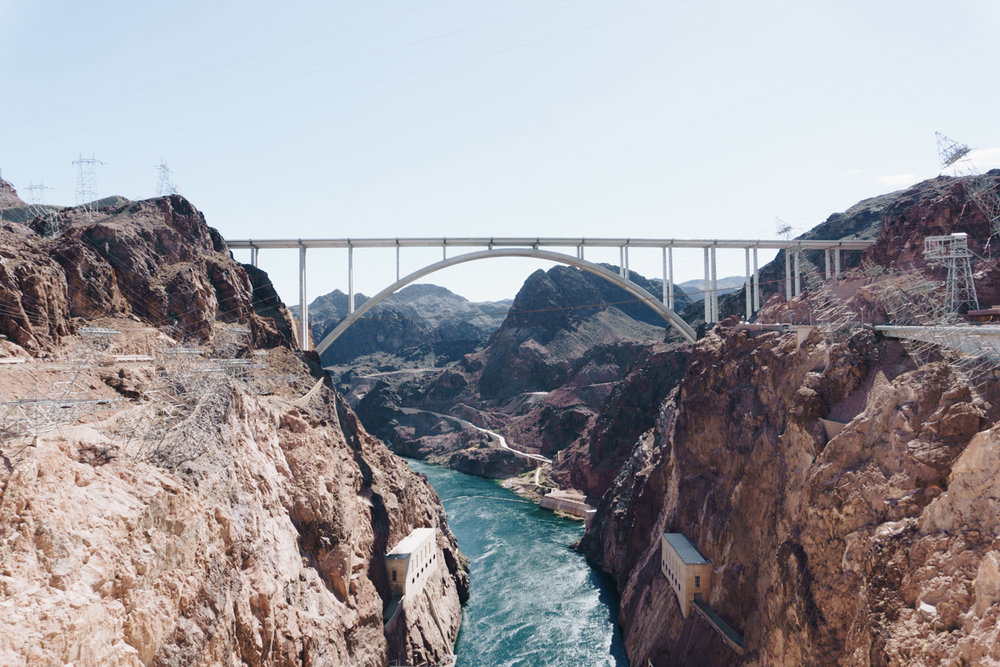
(689, 573)
(411, 561)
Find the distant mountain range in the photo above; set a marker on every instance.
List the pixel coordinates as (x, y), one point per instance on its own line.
(421, 325)
(695, 289)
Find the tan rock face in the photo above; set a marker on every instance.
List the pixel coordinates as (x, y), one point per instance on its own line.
(263, 548)
(877, 546)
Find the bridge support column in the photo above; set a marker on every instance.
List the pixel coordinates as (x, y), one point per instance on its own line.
(670, 268)
(747, 286)
(826, 263)
(714, 290)
(798, 286)
(756, 283)
(350, 279)
(705, 293)
(621, 261)
(253, 257)
(668, 277)
(303, 301)
(579, 251)
(625, 265)
(397, 260)
(788, 274)
(836, 262)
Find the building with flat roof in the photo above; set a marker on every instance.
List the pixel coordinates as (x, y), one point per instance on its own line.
(689, 573)
(411, 562)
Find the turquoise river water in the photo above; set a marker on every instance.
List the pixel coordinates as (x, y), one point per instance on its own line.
(534, 601)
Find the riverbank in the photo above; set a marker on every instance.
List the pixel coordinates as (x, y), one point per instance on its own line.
(533, 600)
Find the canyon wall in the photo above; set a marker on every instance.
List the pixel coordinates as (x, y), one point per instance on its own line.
(156, 508)
(844, 491)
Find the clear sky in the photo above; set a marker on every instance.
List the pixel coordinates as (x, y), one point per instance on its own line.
(633, 118)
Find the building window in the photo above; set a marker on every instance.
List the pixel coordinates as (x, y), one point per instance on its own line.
(697, 581)
(394, 575)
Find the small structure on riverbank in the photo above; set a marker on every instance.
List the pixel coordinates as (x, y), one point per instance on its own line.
(689, 573)
(570, 502)
(411, 561)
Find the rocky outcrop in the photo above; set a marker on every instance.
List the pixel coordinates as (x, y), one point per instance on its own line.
(175, 509)
(155, 259)
(262, 545)
(421, 325)
(8, 196)
(845, 550)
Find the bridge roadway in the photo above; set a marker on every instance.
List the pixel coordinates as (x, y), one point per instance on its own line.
(970, 338)
(531, 247)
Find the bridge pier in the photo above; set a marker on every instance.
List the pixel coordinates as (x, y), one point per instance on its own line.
(756, 282)
(668, 277)
(705, 298)
(746, 286)
(836, 262)
(303, 300)
(350, 279)
(798, 286)
(714, 290)
(253, 257)
(788, 275)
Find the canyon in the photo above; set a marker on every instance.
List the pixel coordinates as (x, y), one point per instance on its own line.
(842, 486)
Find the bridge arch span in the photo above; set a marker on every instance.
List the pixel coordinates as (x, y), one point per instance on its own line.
(669, 316)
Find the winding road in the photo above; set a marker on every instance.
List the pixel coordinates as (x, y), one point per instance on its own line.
(499, 438)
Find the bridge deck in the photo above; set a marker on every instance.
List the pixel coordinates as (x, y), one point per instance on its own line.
(535, 242)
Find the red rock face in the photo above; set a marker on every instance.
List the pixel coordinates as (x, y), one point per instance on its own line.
(824, 549)
(156, 259)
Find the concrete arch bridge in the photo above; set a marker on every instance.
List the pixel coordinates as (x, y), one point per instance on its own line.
(494, 247)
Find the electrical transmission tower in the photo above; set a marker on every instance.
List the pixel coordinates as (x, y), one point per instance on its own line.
(36, 203)
(980, 188)
(86, 184)
(949, 150)
(782, 228)
(164, 186)
(953, 252)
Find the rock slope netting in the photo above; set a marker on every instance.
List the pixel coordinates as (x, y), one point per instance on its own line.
(568, 340)
(174, 512)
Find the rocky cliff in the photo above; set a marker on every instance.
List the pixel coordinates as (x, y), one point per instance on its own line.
(419, 326)
(842, 489)
(567, 342)
(211, 504)
(156, 260)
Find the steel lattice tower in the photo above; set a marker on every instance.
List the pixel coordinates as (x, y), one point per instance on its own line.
(164, 186)
(980, 188)
(953, 251)
(86, 183)
(36, 200)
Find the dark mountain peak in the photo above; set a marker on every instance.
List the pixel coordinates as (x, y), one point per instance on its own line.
(424, 291)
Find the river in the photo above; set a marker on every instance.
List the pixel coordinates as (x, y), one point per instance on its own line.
(534, 601)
